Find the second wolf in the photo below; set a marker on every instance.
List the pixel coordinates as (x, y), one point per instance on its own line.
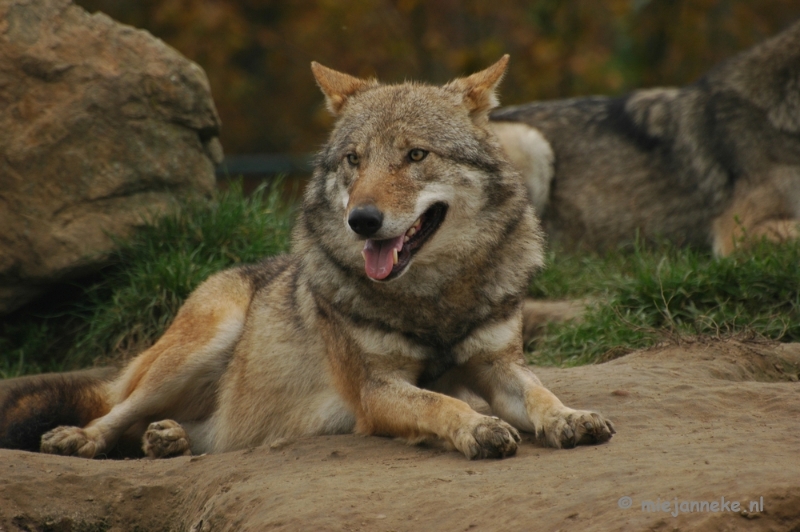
(404, 291)
(708, 165)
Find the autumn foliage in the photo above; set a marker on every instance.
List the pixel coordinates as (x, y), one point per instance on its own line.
(257, 52)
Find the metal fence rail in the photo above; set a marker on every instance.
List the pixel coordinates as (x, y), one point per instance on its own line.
(266, 164)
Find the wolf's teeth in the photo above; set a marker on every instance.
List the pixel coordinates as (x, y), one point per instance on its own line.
(406, 239)
(394, 255)
(411, 231)
(364, 254)
(417, 224)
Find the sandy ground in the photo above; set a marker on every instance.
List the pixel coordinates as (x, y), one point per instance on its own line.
(700, 421)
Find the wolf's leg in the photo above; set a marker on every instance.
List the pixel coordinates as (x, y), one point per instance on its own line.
(397, 408)
(496, 370)
(375, 372)
(176, 377)
(734, 234)
(776, 230)
(759, 210)
(516, 395)
(537, 314)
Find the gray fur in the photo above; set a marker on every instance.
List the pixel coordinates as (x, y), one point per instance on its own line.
(668, 163)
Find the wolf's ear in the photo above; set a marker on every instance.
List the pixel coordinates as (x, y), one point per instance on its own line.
(337, 86)
(479, 89)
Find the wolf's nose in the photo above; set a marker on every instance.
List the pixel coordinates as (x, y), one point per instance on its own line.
(365, 220)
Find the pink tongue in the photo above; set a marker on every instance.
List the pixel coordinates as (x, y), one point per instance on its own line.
(378, 256)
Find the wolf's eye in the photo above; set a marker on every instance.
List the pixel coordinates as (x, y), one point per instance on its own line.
(416, 155)
(352, 158)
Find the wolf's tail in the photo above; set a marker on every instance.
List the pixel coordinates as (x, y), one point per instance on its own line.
(37, 405)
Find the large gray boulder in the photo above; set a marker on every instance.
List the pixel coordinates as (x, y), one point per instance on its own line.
(102, 126)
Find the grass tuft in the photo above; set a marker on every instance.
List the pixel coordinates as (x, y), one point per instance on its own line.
(126, 308)
(642, 297)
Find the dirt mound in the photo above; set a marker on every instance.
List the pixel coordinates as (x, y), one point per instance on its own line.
(709, 425)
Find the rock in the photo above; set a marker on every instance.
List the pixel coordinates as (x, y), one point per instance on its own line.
(103, 126)
(702, 421)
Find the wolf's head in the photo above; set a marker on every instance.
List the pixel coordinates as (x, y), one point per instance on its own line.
(411, 174)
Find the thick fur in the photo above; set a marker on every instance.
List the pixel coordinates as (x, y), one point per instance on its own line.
(713, 164)
(307, 343)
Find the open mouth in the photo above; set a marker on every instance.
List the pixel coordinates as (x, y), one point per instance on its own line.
(386, 259)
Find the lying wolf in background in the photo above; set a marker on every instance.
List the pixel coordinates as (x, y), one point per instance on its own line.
(711, 164)
(411, 258)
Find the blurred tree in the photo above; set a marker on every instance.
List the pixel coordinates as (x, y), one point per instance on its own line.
(257, 52)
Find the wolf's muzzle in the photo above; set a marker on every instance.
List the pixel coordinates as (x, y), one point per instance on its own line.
(366, 220)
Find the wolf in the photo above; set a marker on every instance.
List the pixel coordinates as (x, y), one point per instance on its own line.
(713, 165)
(401, 300)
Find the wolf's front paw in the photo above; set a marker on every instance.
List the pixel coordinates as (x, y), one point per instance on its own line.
(488, 438)
(69, 441)
(165, 439)
(565, 428)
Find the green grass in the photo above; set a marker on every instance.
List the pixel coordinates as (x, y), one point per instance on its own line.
(128, 305)
(642, 297)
